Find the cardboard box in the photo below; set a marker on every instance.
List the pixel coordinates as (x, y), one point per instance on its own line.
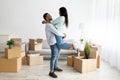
(35, 44)
(98, 61)
(34, 59)
(84, 65)
(82, 53)
(23, 57)
(98, 57)
(10, 65)
(70, 61)
(18, 42)
(12, 53)
(93, 52)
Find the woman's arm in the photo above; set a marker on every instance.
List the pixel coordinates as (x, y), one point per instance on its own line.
(58, 20)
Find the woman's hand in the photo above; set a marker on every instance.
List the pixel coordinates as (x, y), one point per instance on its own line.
(44, 22)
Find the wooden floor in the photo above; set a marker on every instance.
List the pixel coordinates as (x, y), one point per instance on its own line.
(40, 72)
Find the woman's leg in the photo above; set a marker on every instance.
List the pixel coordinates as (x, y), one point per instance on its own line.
(61, 44)
(59, 40)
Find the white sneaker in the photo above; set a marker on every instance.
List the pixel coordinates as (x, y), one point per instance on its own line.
(81, 47)
(75, 45)
(78, 46)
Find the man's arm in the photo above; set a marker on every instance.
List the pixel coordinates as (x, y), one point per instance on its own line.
(55, 31)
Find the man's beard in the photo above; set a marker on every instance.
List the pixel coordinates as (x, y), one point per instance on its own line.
(50, 19)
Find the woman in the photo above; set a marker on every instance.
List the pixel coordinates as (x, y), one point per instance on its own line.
(59, 24)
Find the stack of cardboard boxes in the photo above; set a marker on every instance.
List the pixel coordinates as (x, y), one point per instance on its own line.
(35, 44)
(35, 58)
(12, 60)
(19, 43)
(86, 65)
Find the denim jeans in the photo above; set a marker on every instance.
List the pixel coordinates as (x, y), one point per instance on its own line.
(54, 56)
(61, 44)
(56, 61)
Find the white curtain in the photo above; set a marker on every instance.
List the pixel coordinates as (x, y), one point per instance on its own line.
(106, 25)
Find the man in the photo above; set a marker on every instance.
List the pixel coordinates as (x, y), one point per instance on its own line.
(51, 31)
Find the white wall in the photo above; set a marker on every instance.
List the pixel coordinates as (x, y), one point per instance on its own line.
(22, 18)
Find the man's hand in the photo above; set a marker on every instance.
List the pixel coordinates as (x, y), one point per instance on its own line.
(43, 22)
(64, 35)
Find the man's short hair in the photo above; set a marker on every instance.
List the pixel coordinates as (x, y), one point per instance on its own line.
(45, 15)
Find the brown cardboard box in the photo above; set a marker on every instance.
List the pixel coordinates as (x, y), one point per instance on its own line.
(82, 53)
(10, 65)
(70, 60)
(12, 53)
(93, 52)
(34, 59)
(84, 65)
(98, 48)
(35, 44)
(91, 65)
(18, 41)
(98, 61)
(98, 57)
(23, 57)
(39, 40)
(38, 47)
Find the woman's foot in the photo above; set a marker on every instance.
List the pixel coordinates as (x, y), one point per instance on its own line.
(75, 46)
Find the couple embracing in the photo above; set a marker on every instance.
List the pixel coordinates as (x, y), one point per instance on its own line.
(55, 36)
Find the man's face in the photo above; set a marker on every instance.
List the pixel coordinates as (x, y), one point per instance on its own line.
(49, 17)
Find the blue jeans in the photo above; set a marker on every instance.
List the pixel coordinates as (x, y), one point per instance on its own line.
(61, 44)
(54, 56)
(56, 61)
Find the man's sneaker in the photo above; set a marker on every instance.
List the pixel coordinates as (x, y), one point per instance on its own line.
(52, 74)
(58, 69)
